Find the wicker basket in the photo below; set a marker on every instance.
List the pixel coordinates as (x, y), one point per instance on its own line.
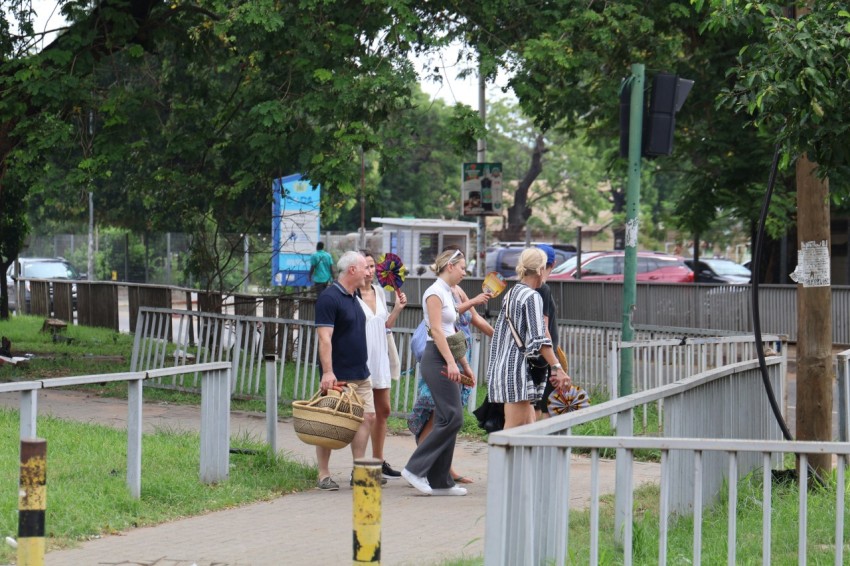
(328, 420)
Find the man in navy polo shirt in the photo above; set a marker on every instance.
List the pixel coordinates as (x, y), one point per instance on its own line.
(341, 326)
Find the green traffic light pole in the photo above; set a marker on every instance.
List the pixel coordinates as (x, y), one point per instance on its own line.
(623, 488)
(635, 82)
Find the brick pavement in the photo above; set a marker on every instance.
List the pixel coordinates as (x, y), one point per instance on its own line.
(311, 527)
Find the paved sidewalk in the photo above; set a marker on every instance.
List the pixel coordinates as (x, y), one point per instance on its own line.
(307, 528)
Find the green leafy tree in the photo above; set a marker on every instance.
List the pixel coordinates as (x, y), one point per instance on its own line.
(559, 178)
(567, 59)
(424, 147)
(791, 82)
(187, 111)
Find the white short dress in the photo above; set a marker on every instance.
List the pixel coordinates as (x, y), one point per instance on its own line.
(376, 340)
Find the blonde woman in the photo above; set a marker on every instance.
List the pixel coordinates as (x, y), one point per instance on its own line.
(509, 380)
(421, 418)
(429, 468)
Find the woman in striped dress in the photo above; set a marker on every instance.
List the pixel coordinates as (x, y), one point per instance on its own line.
(509, 380)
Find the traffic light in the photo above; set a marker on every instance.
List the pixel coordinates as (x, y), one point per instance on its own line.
(667, 97)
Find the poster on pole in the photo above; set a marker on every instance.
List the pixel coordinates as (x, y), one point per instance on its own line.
(481, 191)
(295, 230)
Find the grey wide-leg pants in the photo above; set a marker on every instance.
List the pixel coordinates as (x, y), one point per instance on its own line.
(433, 457)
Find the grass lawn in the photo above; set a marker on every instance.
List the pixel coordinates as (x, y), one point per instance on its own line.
(748, 542)
(87, 493)
(82, 351)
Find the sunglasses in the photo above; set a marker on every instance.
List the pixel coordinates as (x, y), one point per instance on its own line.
(454, 255)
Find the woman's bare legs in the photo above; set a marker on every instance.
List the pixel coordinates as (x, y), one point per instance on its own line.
(379, 428)
(518, 414)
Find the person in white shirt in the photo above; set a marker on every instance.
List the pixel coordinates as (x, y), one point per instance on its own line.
(379, 322)
(429, 468)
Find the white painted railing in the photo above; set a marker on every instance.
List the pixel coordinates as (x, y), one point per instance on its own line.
(660, 362)
(169, 337)
(719, 411)
(842, 374)
(215, 414)
(534, 538)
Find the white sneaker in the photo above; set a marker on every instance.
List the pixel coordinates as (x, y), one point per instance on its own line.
(455, 490)
(418, 482)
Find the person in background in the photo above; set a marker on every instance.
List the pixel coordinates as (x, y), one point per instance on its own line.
(321, 268)
(429, 468)
(341, 325)
(379, 323)
(509, 380)
(421, 419)
(550, 318)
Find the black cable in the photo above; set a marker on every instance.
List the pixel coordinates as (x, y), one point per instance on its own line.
(771, 396)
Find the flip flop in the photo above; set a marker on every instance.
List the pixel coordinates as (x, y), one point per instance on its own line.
(461, 479)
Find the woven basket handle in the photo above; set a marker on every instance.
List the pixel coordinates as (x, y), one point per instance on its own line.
(354, 398)
(314, 400)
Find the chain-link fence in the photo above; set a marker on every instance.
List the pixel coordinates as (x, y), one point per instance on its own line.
(120, 256)
(163, 258)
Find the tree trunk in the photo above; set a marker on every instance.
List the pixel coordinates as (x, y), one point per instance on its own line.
(519, 212)
(814, 312)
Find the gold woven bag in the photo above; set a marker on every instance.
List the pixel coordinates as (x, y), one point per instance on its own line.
(328, 420)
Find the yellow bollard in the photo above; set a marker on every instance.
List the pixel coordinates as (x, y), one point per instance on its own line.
(32, 502)
(367, 511)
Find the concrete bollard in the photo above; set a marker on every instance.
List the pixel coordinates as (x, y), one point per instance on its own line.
(32, 502)
(367, 511)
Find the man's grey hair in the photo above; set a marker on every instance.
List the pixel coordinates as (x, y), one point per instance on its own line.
(348, 259)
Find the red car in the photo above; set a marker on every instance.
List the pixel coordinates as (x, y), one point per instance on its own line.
(608, 266)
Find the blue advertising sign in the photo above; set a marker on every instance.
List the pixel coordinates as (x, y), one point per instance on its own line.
(295, 230)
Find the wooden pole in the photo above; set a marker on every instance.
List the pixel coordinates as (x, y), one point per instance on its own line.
(814, 311)
(814, 306)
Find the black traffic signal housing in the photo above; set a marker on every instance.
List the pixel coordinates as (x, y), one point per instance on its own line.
(667, 97)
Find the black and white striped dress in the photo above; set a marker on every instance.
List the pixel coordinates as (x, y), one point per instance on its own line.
(508, 380)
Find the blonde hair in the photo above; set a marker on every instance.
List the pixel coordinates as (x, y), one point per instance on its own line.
(450, 256)
(531, 261)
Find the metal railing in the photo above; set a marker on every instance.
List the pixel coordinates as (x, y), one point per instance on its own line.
(529, 467)
(167, 337)
(536, 543)
(660, 362)
(215, 414)
(842, 375)
(721, 308)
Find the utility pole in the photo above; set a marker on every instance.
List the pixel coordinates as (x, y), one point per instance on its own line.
(814, 308)
(362, 231)
(90, 249)
(814, 311)
(635, 82)
(622, 503)
(481, 239)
